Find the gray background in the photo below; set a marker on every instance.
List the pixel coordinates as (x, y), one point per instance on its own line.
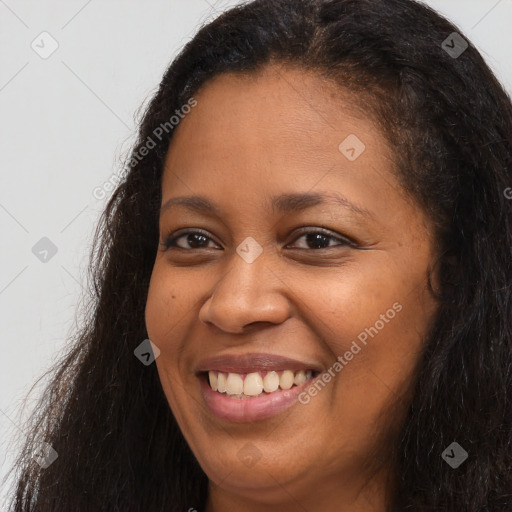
(66, 120)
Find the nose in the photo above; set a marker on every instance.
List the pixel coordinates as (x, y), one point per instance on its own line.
(246, 295)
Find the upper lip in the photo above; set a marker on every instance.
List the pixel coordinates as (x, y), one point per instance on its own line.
(245, 363)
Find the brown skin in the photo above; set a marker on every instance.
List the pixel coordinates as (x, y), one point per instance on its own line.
(250, 138)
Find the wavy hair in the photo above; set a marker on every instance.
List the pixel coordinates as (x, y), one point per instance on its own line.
(449, 123)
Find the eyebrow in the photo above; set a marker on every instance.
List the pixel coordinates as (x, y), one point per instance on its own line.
(284, 204)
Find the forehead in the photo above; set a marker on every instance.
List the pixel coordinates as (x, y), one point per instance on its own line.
(279, 118)
(281, 130)
(276, 100)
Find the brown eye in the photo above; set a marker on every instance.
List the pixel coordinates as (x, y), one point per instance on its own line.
(321, 239)
(196, 239)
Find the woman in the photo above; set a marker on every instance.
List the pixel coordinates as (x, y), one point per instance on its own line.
(315, 235)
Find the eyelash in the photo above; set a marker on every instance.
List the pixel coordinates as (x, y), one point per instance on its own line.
(171, 239)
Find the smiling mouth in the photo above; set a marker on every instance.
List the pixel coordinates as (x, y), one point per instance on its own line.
(255, 384)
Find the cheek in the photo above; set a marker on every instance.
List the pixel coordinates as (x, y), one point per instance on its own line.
(159, 312)
(376, 318)
(167, 304)
(353, 300)
(165, 327)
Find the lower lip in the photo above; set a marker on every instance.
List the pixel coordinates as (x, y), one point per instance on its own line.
(242, 410)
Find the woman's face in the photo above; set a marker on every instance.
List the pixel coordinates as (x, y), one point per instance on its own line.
(310, 259)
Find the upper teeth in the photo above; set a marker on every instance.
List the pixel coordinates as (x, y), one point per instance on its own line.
(253, 384)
